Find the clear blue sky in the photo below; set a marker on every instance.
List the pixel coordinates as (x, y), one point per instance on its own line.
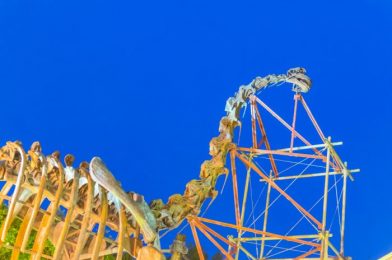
(143, 85)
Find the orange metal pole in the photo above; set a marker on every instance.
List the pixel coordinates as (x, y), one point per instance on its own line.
(290, 128)
(201, 225)
(276, 187)
(196, 238)
(223, 251)
(286, 125)
(235, 187)
(318, 129)
(259, 232)
(307, 253)
(267, 144)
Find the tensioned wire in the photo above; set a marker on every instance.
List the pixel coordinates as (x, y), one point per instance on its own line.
(292, 182)
(253, 206)
(309, 210)
(255, 219)
(336, 211)
(251, 215)
(296, 163)
(291, 249)
(280, 247)
(337, 203)
(288, 161)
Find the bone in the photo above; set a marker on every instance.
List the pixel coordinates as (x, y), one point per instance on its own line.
(92, 195)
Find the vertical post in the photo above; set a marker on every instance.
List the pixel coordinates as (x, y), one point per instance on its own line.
(235, 187)
(244, 198)
(324, 249)
(121, 232)
(82, 239)
(296, 97)
(277, 188)
(345, 173)
(102, 225)
(265, 218)
(253, 115)
(58, 252)
(324, 252)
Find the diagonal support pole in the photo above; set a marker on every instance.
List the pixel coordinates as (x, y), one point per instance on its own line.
(276, 187)
(284, 123)
(264, 133)
(196, 239)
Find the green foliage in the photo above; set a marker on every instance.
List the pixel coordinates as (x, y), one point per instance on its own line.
(114, 257)
(217, 256)
(5, 253)
(109, 257)
(192, 253)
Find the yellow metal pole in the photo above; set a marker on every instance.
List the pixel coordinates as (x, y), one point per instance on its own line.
(310, 175)
(244, 198)
(335, 250)
(246, 239)
(343, 210)
(324, 249)
(265, 218)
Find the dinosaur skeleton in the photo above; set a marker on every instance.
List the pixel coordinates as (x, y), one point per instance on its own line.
(92, 196)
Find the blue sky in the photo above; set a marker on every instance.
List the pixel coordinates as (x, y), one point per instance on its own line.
(143, 85)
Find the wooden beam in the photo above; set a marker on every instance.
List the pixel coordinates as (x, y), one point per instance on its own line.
(47, 221)
(82, 239)
(64, 231)
(102, 225)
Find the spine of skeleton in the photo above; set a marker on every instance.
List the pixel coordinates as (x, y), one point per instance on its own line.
(91, 195)
(179, 206)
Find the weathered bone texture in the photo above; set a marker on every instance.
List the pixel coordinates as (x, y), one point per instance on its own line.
(37, 177)
(91, 195)
(179, 206)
